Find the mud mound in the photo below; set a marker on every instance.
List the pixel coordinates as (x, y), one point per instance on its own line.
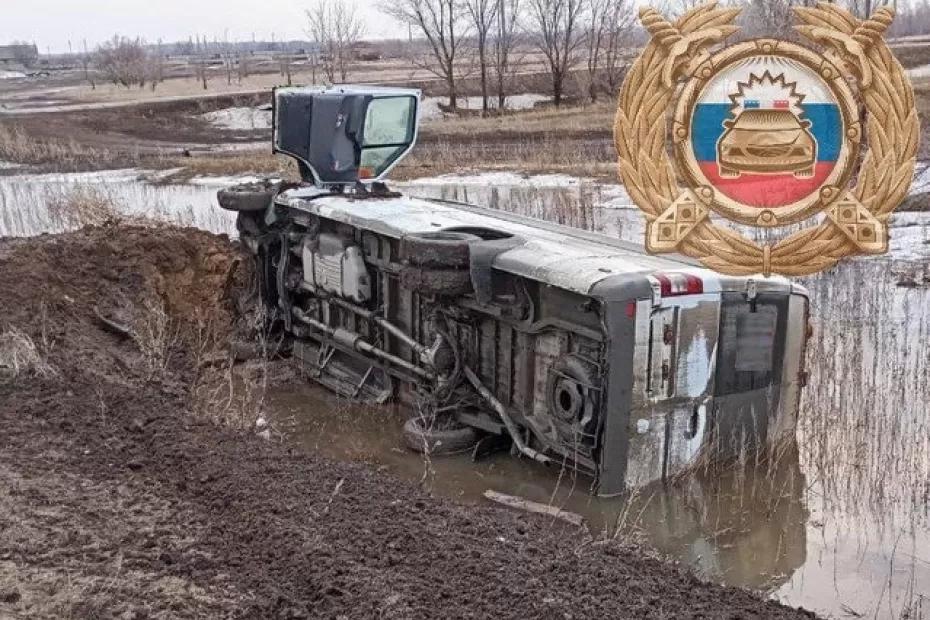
(107, 265)
(119, 502)
(60, 288)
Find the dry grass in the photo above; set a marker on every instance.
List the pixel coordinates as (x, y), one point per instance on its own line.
(18, 146)
(228, 392)
(232, 395)
(20, 355)
(567, 119)
(82, 205)
(536, 144)
(156, 335)
(258, 162)
(540, 156)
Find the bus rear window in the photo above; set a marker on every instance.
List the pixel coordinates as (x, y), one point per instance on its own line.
(750, 345)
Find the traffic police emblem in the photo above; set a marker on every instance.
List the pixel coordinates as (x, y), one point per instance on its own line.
(766, 134)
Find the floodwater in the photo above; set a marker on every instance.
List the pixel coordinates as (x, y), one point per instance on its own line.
(839, 523)
(26, 200)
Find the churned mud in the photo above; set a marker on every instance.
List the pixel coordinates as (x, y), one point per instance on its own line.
(133, 486)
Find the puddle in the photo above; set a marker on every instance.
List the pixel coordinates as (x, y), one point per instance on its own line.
(838, 525)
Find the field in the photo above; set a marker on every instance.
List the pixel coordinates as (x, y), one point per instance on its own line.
(160, 465)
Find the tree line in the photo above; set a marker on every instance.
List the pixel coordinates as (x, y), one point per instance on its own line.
(582, 46)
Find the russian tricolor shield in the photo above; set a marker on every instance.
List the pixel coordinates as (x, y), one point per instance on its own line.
(766, 132)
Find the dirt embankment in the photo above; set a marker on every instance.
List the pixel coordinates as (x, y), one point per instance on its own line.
(120, 499)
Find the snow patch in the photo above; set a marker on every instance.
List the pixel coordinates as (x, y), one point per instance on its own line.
(227, 181)
(430, 110)
(921, 182)
(11, 75)
(512, 179)
(239, 118)
(122, 175)
(919, 72)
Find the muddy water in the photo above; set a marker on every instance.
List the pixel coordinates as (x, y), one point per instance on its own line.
(839, 524)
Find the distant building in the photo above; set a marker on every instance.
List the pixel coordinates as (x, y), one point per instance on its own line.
(366, 50)
(18, 56)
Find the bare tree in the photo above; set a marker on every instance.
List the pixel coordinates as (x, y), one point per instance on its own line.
(284, 64)
(443, 25)
(85, 64)
(202, 62)
(559, 35)
(123, 61)
(243, 65)
(598, 21)
(156, 66)
(507, 17)
(229, 59)
(482, 14)
(861, 8)
(616, 41)
(913, 19)
(335, 25)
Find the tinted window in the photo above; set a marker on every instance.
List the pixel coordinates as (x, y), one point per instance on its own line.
(751, 344)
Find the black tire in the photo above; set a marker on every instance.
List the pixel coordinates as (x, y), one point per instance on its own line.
(435, 441)
(443, 282)
(248, 197)
(437, 249)
(249, 223)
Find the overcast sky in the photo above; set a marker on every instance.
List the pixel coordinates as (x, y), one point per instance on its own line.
(52, 23)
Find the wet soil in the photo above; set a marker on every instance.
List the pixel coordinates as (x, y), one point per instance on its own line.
(140, 132)
(120, 499)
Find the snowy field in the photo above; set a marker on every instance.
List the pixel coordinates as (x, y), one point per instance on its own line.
(239, 118)
(430, 110)
(246, 118)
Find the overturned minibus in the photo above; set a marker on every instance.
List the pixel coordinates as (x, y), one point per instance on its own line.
(573, 348)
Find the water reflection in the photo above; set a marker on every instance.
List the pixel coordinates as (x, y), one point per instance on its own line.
(838, 523)
(25, 200)
(744, 524)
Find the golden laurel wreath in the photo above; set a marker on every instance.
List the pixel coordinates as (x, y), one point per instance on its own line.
(679, 219)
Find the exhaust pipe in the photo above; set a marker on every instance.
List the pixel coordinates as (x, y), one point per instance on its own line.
(502, 412)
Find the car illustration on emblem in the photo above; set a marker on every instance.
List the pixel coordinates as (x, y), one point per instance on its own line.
(766, 141)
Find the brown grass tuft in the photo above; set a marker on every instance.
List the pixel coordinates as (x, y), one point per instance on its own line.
(19, 354)
(82, 206)
(18, 146)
